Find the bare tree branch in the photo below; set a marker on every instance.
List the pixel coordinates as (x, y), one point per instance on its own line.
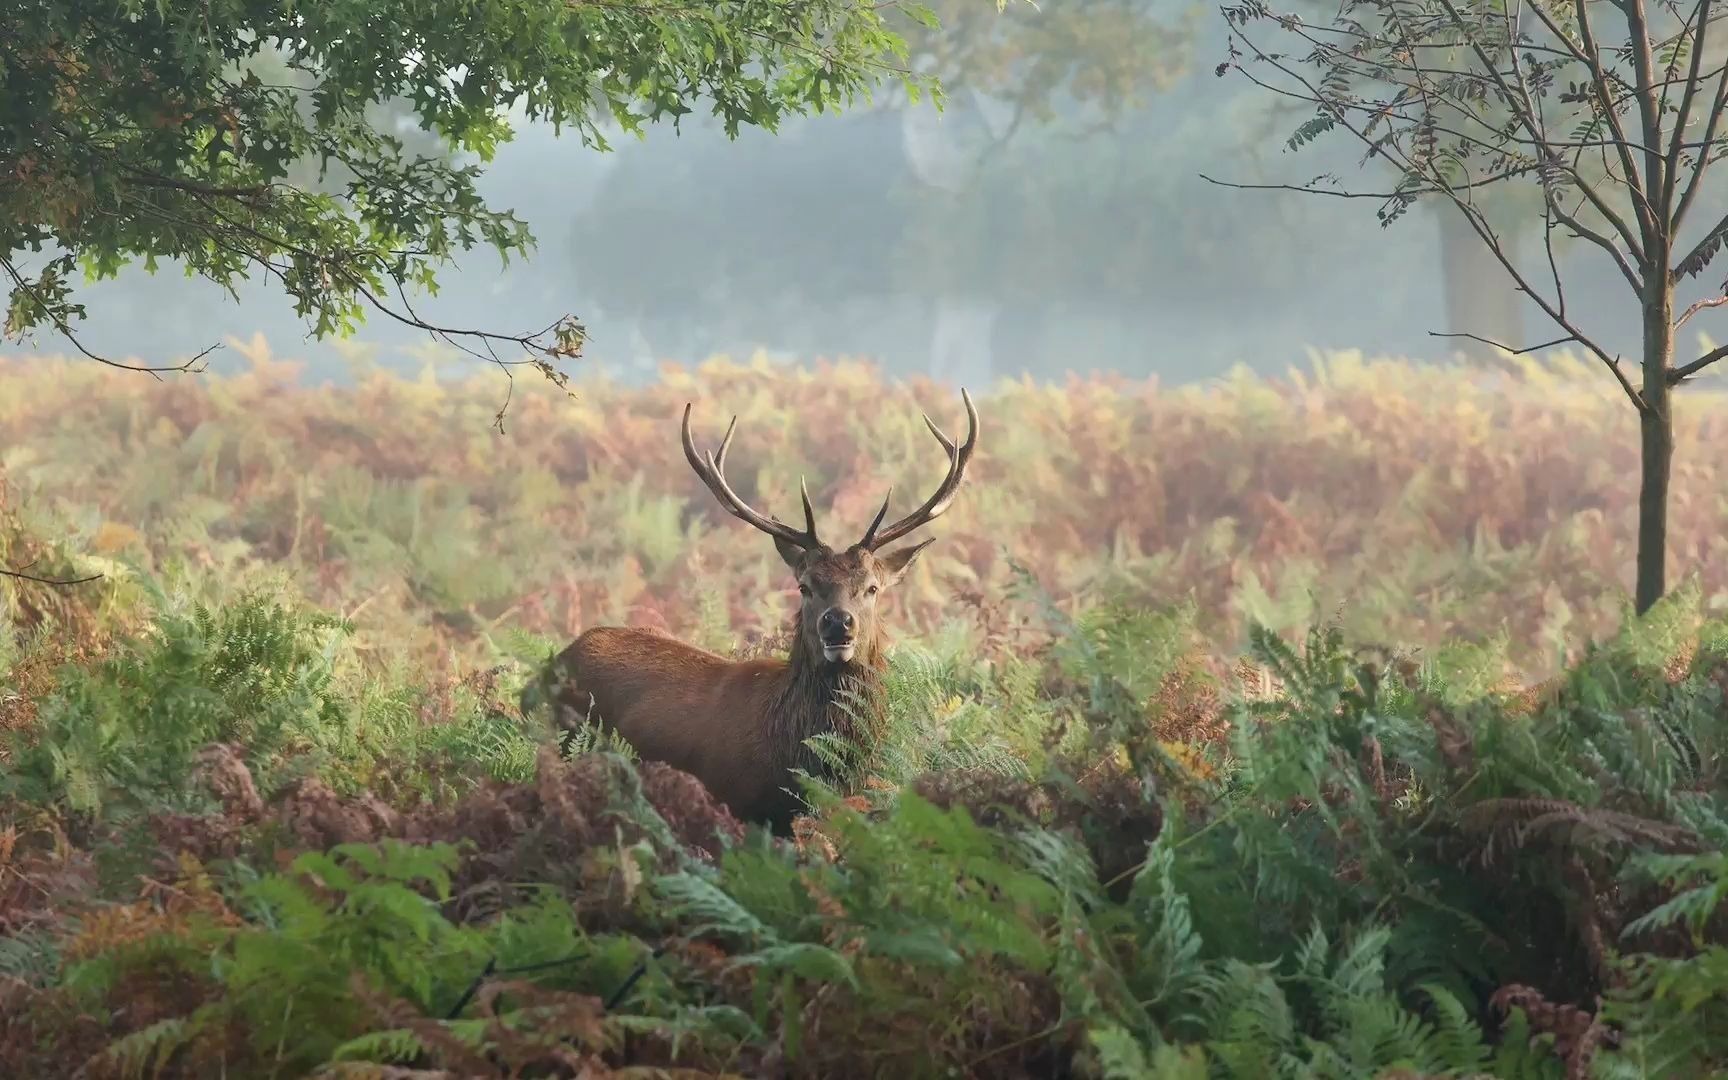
(1548, 219)
(1655, 179)
(1600, 80)
(1486, 233)
(1551, 204)
(1718, 106)
(223, 229)
(1701, 305)
(1528, 46)
(1686, 371)
(1472, 214)
(1683, 116)
(1525, 351)
(1531, 107)
(1340, 193)
(1583, 232)
(529, 342)
(20, 575)
(1531, 118)
(1635, 242)
(194, 365)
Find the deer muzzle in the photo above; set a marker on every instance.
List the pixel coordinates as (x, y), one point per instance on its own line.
(837, 629)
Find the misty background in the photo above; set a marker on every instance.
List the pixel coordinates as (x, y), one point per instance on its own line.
(1040, 225)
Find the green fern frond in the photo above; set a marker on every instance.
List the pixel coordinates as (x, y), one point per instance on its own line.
(148, 1051)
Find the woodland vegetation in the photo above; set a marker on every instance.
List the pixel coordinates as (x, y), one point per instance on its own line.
(1148, 801)
(1295, 728)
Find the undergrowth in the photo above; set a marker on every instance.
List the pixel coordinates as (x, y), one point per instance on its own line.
(228, 847)
(1432, 505)
(271, 804)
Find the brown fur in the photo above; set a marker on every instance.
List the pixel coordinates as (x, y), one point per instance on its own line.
(740, 726)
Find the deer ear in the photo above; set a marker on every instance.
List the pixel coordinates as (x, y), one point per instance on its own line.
(790, 552)
(898, 562)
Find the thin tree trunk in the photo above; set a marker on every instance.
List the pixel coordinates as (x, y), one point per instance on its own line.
(1656, 426)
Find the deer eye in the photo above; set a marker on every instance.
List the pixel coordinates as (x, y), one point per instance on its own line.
(872, 591)
(803, 589)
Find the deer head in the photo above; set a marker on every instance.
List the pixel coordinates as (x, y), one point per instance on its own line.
(838, 589)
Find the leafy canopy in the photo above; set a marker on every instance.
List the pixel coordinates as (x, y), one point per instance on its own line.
(143, 131)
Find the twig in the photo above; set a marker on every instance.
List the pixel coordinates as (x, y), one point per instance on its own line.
(20, 575)
(66, 332)
(1683, 116)
(1684, 372)
(1457, 192)
(1341, 193)
(1700, 306)
(1526, 351)
(1718, 106)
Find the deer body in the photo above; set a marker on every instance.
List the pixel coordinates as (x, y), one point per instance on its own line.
(740, 726)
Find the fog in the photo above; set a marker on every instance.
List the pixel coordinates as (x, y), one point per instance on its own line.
(956, 244)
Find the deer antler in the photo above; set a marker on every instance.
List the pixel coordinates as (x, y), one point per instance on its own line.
(938, 503)
(711, 467)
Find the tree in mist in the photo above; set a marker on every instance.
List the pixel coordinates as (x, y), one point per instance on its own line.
(1065, 230)
(1612, 112)
(132, 131)
(837, 217)
(1077, 69)
(1091, 58)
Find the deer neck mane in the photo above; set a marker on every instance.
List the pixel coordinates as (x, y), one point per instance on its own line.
(819, 697)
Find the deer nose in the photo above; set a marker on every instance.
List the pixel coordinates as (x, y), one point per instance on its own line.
(836, 626)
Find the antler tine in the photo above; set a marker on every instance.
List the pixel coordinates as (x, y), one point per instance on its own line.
(937, 504)
(869, 541)
(711, 468)
(809, 514)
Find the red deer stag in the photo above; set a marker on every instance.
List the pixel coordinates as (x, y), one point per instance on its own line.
(740, 726)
